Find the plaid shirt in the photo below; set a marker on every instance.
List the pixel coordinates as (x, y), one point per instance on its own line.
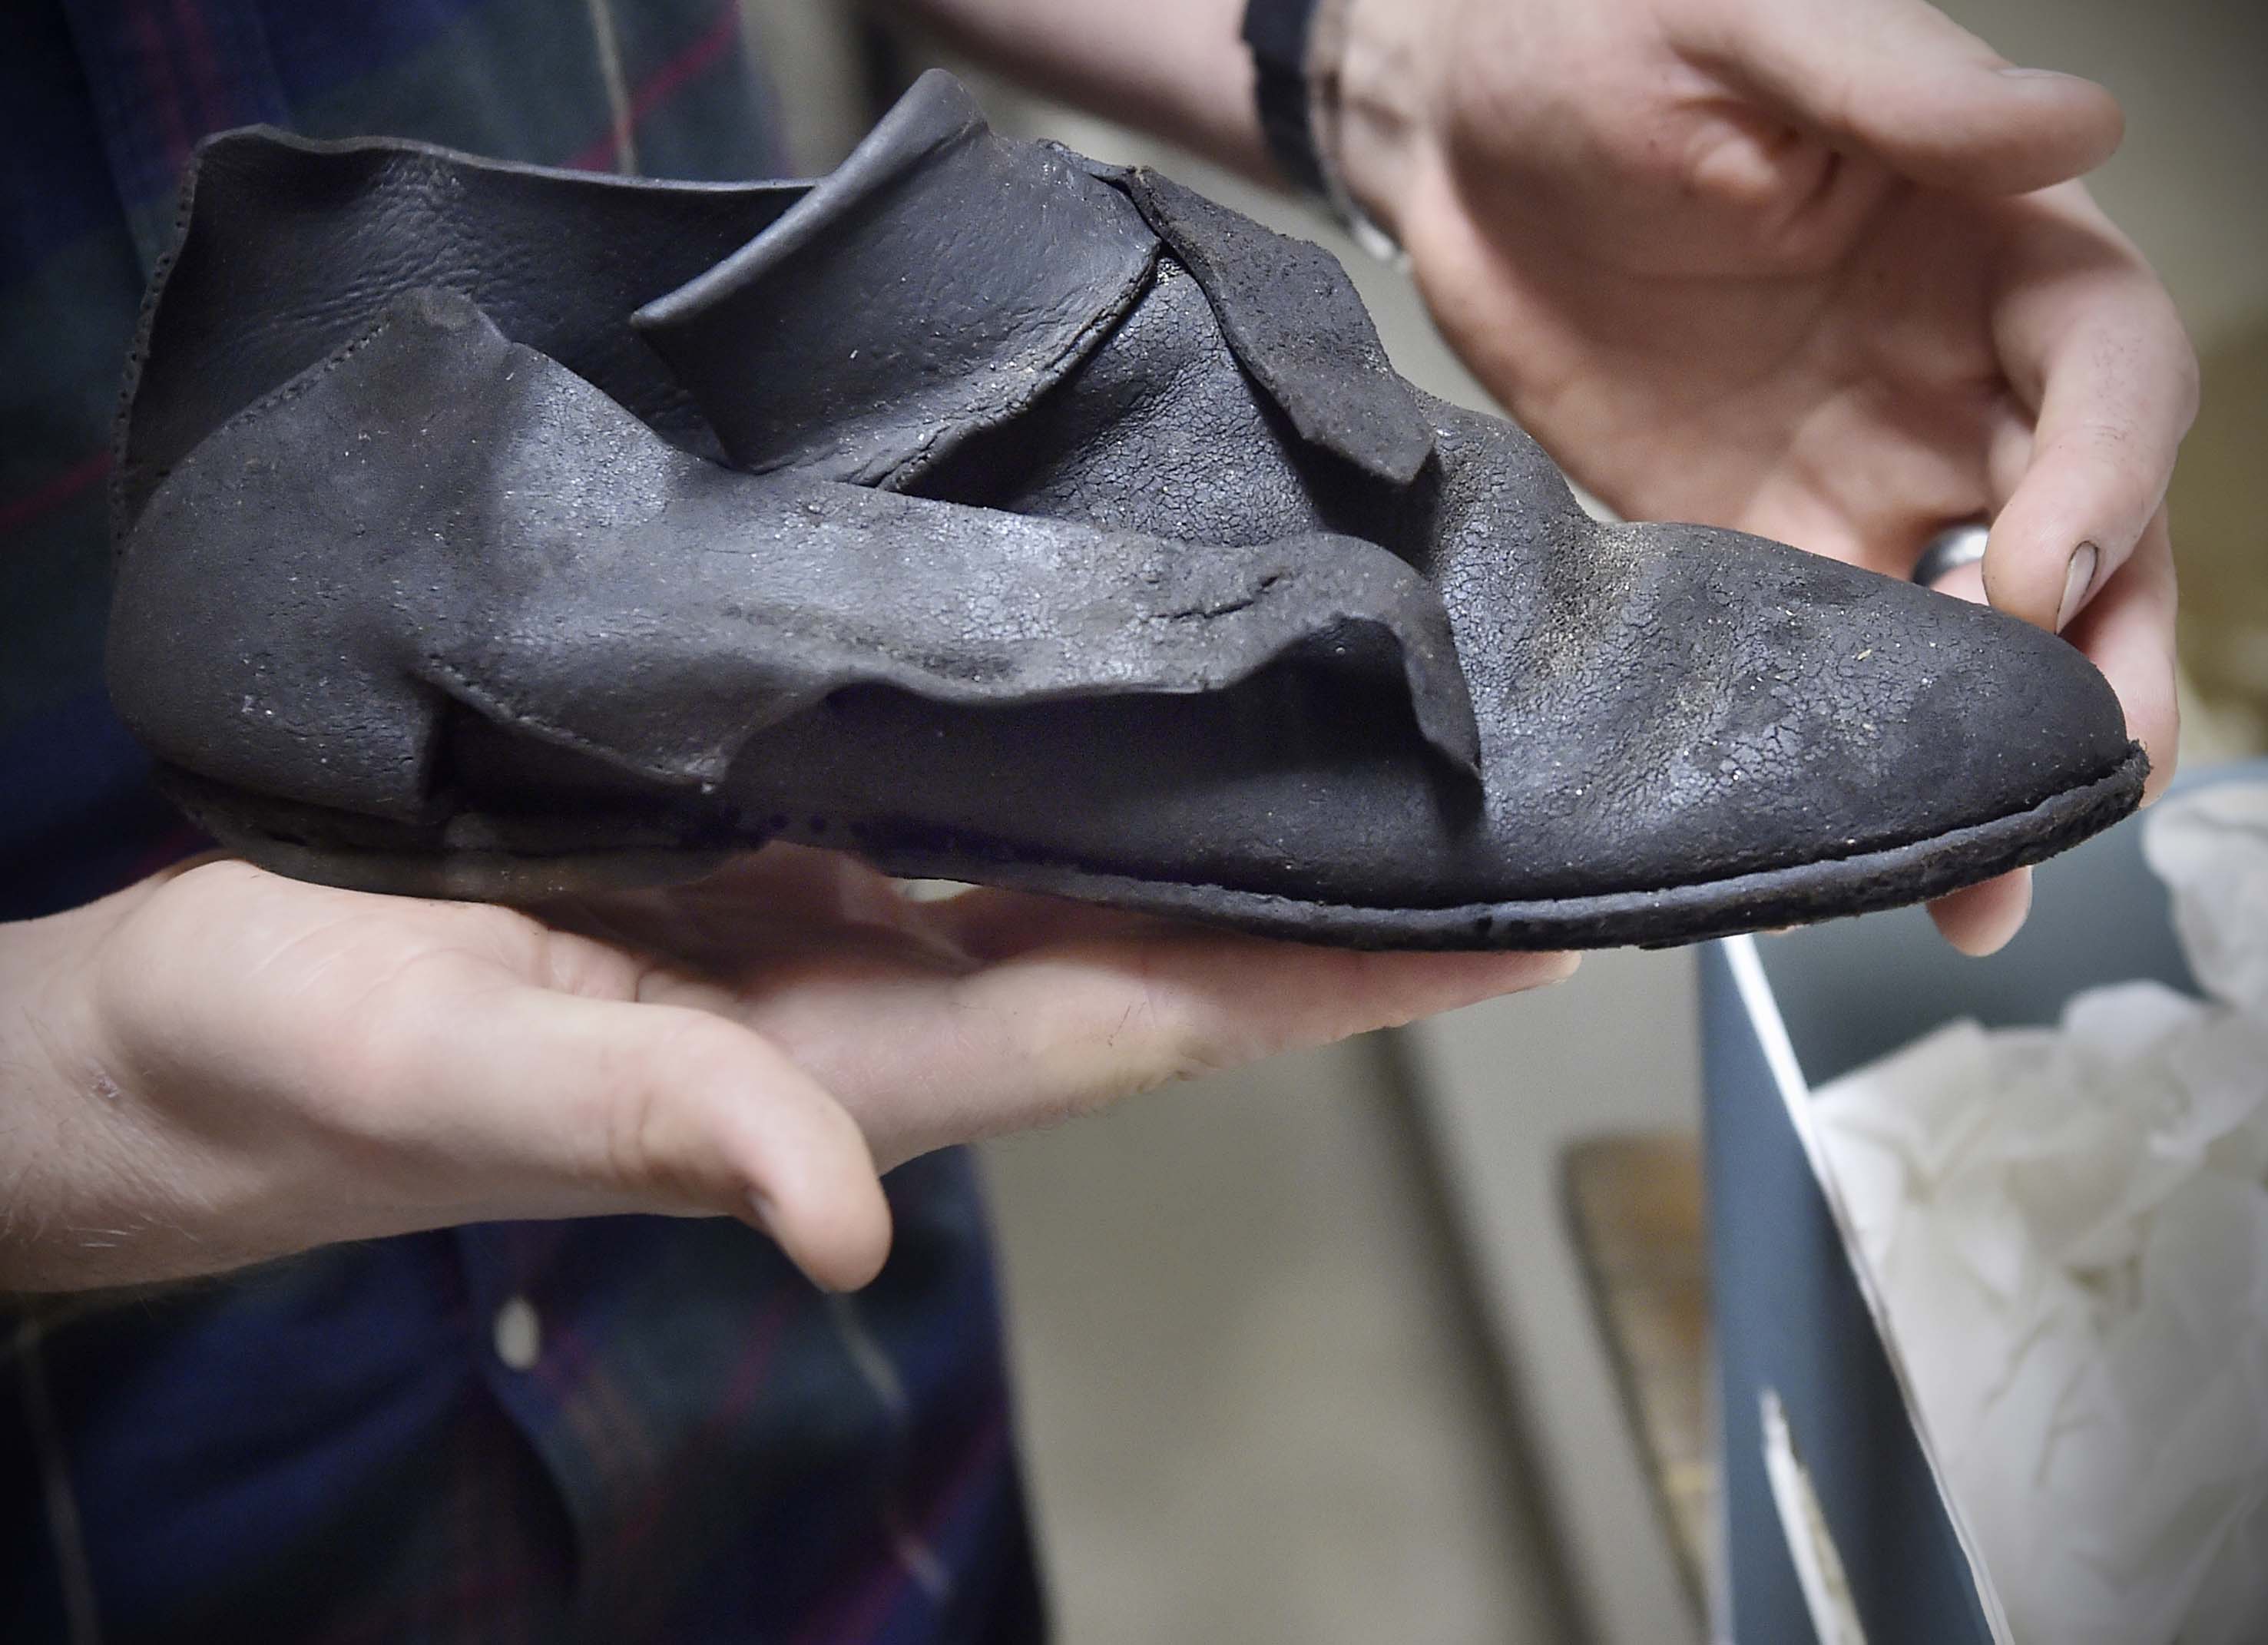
(621, 1429)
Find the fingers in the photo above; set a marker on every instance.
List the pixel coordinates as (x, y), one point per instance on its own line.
(1964, 582)
(989, 924)
(2081, 543)
(300, 1065)
(656, 1106)
(2086, 334)
(1981, 920)
(1064, 1028)
(2128, 633)
(1900, 80)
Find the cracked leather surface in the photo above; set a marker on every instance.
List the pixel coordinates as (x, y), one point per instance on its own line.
(1151, 565)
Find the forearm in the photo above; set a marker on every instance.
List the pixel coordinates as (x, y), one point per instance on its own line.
(1174, 67)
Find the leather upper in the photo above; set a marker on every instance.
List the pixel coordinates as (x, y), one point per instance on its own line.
(1186, 583)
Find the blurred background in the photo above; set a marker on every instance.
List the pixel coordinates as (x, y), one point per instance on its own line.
(1406, 1340)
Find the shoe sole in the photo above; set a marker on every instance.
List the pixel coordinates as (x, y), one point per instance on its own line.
(288, 839)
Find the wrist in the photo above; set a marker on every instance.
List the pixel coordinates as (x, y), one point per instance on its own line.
(1372, 69)
(58, 1210)
(109, 1184)
(1176, 68)
(46, 1008)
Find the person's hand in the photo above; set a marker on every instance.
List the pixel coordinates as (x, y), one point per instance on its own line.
(1811, 268)
(219, 1066)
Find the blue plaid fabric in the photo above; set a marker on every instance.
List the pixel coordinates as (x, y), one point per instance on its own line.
(625, 1430)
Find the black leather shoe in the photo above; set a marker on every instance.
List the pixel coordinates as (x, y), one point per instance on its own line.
(1189, 603)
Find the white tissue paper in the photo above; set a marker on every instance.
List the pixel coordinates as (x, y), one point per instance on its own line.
(2069, 1228)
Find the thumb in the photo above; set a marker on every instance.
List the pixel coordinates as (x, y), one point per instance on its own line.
(1900, 80)
(663, 1107)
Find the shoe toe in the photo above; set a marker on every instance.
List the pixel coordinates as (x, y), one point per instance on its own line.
(1861, 712)
(1751, 706)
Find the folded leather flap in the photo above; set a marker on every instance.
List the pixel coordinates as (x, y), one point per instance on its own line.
(936, 283)
(1296, 324)
(436, 512)
(667, 645)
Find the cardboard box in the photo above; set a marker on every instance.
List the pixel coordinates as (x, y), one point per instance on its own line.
(1837, 1528)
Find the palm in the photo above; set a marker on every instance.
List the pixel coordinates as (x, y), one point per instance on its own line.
(1811, 360)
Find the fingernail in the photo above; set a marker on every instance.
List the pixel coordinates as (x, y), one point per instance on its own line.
(2076, 583)
(2015, 72)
